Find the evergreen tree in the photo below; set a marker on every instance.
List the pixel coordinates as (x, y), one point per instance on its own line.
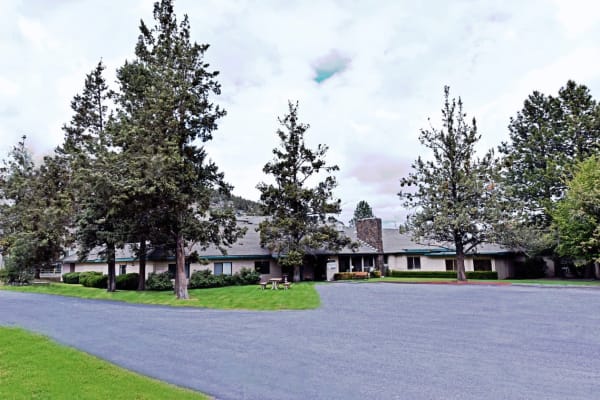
(96, 169)
(363, 210)
(577, 215)
(547, 137)
(33, 213)
(164, 111)
(455, 196)
(300, 216)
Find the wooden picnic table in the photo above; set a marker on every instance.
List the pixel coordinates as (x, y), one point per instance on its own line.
(275, 283)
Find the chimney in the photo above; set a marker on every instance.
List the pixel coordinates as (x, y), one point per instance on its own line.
(369, 231)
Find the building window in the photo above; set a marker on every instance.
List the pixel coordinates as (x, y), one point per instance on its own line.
(122, 269)
(451, 264)
(482, 264)
(413, 262)
(173, 270)
(223, 268)
(262, 267)
(367, 263)
(356, 264)
(385, 259)
(344, 264)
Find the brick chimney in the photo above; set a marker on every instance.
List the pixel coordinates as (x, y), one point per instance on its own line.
(369, 231)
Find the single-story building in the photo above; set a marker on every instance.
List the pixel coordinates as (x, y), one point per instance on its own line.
(378, 248)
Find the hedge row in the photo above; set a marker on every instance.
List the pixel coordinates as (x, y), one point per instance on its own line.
(345, 276)
(204, 279)
(442, 274)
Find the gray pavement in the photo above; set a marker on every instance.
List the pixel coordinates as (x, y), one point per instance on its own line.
(368, 341)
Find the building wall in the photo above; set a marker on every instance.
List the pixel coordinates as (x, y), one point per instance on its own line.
(162, 266)
(399, 262)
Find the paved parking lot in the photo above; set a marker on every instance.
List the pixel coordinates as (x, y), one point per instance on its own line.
(368, 341)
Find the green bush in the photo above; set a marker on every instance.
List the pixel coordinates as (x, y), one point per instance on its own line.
(84, 276)
(442, 274)
(160, 281)
(128, 281)
(71, 277)
(375, 274)
(11, 275)
(249, 276)
(205, 279)
(93, 279)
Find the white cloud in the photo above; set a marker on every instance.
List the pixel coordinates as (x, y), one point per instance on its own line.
(402, 53)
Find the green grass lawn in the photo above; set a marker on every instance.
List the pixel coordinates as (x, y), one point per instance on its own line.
(300, 296)
(547, 281)
(34, 367)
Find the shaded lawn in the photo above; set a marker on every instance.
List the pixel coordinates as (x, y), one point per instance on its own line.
(34, 367)
(300, 296)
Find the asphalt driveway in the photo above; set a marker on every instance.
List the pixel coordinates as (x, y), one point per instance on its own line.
(368, 341)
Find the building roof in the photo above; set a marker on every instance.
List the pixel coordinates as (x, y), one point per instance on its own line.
(249, 246)
(395, 242)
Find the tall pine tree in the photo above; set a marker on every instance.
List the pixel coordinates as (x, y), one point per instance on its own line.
(301, 219)
(165, 113)
(455, 197)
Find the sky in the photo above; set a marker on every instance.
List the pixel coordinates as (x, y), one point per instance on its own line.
(368, 75)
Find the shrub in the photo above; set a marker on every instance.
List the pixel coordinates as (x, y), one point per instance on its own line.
(71, 277)
(249, 276)
(160, 281)
(128, 281)
(375, 274)
(11, 275)
(205, 279)
(531, 268)
(93, 279)
(344, 276)
(85, 276)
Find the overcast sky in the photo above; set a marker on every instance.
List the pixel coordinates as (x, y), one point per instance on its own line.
(367, 74)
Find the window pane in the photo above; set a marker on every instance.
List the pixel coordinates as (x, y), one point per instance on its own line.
(262, 267)
(451, 265)
(368, 262)
(227, 268)
(344, 264)
(218, 268)
(482, 264)
(417, 262)
(356, 263)
(172, 271)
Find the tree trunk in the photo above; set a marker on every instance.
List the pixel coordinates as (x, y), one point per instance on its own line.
(460, 263)
(180, 278)
(110, 257)
(37, 273)
(142, 271)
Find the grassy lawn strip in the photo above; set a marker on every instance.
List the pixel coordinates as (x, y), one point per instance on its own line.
(549, 281)
(300, 296)
(34, 367)
(562, 282)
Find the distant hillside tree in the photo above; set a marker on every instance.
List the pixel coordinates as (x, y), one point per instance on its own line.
(454, 195)
(300, 216)
(363, 210)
